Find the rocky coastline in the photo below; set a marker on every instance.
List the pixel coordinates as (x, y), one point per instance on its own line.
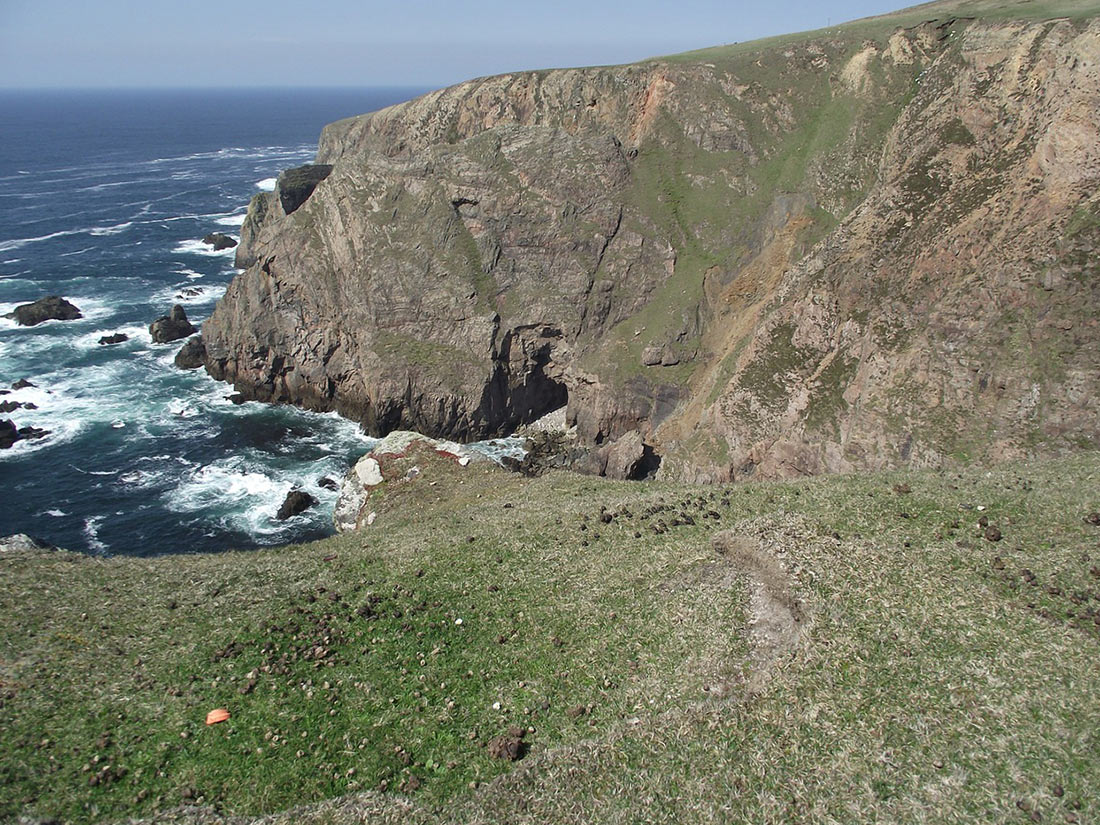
(615, 240)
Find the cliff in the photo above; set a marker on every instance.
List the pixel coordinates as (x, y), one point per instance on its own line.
(863, 247)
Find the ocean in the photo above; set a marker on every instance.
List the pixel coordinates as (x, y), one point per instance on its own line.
(104, 199)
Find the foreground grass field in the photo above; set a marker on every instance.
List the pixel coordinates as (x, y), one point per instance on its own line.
(945, 669)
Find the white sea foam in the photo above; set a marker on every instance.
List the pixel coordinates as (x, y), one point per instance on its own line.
(78, 252)
(190, 273)
(189, 295)
(232, 220)
(91, 534)
(267, 184)
(56, 513)
(135, 335)
(98, 231)
(197, 247)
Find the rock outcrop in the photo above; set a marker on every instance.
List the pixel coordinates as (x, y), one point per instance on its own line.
(294, 186)
(401, 458)
(296, 501)
(192, 354)
(219, 240)
(50, 308)
(113, 338)
(22, 544)
(9, 433)
(171, 327)
(868, 248)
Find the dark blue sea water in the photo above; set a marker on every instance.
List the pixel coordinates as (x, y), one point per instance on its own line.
(104, 197)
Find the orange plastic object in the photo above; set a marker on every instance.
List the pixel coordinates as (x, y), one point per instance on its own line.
(217, 715)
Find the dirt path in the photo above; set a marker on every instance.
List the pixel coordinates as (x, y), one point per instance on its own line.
(777, 619)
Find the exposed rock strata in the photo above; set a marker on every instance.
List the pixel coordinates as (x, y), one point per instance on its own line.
(836, 254)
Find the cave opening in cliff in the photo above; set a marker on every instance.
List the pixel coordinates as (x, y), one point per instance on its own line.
(542, 396)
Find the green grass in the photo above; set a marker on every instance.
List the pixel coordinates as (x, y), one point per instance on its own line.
(940, 669)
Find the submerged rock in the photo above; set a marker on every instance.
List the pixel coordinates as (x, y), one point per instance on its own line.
(116, 338)
(296, 501)
(219, 240)
(50, 308)
(192, 354)
(171, 327)
(22, 384)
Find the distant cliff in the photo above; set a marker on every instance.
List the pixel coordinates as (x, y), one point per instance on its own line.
(866, 247)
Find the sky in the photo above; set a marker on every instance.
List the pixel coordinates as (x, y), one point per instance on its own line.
(227, 43)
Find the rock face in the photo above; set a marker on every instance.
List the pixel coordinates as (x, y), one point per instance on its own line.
(171, 327)
(868, 248)
(50, 308)
(192, 354)
(219, 240)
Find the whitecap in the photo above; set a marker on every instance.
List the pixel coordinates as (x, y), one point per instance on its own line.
(267, 184)
(232, 220)
(100, 231)
(19, 243)
(56, 513)
(78, 252)
(197, 247)
(190, 273)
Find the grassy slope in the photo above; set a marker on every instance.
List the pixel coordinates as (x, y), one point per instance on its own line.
(935, 673)
(839, 136)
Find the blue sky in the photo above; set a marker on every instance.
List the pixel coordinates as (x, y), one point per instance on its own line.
(67, 43)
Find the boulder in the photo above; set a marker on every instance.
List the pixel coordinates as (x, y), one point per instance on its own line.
(219, 240)
(50, 308)
(10, 406)
(296, 185)
(327, 483)
(21, 384)
(192, 354)
(171, 327)
(296, 501)
(116, 338)
(8, 433)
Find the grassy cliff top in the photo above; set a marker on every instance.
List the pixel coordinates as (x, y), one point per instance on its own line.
(944, 658)
(881, 26)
